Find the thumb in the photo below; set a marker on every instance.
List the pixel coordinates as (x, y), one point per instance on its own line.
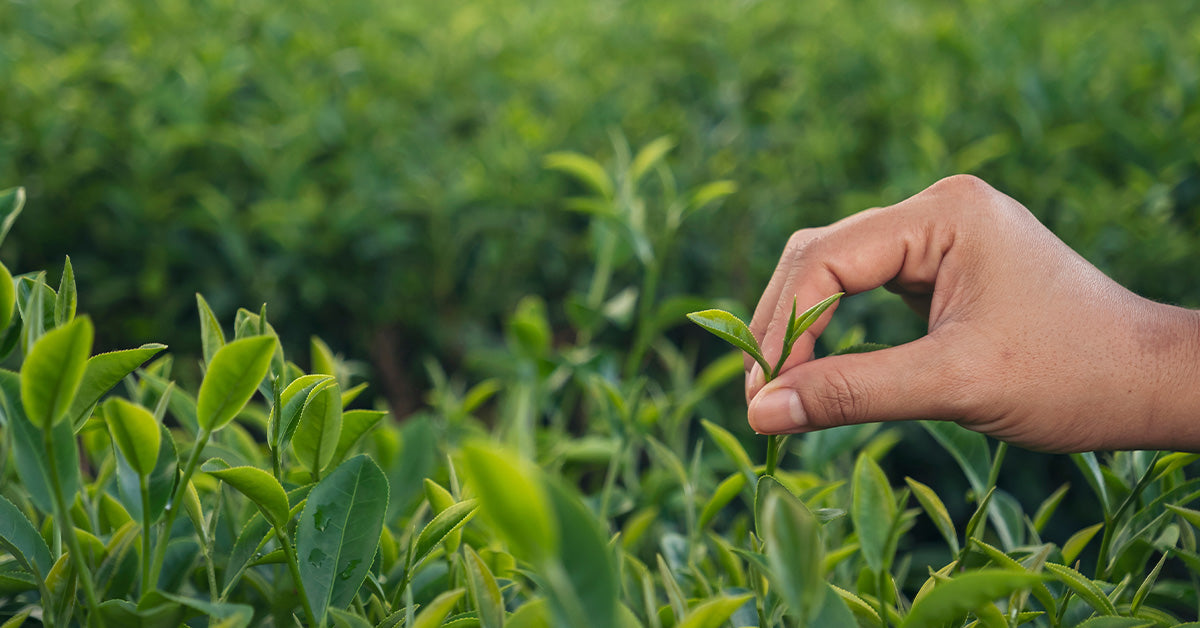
(910, 381)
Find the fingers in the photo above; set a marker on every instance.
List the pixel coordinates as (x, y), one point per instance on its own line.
(918, 380)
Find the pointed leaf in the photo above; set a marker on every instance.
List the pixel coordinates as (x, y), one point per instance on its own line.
(261, 487)
(52, 372)
(873, 510)
(937, 512)
(232, 377)
(1074, 545)
(713, 613)
(292, 400)
(484, 590)
(64, 306)
(12, 201)
(710, 192)
(725, 492)
(585, 169)
(648, 156)
(432, 615)
(29, 451)
(1119, 622)
(951, 600)
(731, 447)
(8, 297)
(731, 329)
(441, 526)
(355, 425)
(135, 433)
(338, 532)
(103, 371)
(1087, 590)
(19, 538)
(810, 316)
(212, 338)
(969, 449)
(323, 362)
(590, 591)
(316, 437)
(513, 498)
(792, 537)
(1090, 467)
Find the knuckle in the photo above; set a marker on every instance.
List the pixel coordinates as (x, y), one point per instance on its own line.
(837, 401)
(962, 185)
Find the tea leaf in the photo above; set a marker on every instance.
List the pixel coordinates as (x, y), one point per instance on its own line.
(731, 329)
(28, 449)
(873, 511)
(16, 621)
(355, 425)
(338, 532)
(937, 512)
(729, 445)
(232, 377)
(1090, 468)
(586, 588)
(859, 607)
(316, 437)
(53, 370)
(64, 306)
(8, 297)
(1048, 506)
(1087, 590)
(951, 600)
(1004, 561)
(585, 169)
(12, 201)
(714, 612)
(513, 499)
(725, 492)
(323, 362)
(1144, 590)
(103, 371)
(162, 478)
(19, 538)
(484, 590)
(710, 192)
(432, 615)
(648, 156)
(794, 550)
(135, 433)
(969, 449)
(1118, 622)
(441, 526)
(810, 316)
(1074, 545)
(261, 487)
(287, 417)
(212, 338)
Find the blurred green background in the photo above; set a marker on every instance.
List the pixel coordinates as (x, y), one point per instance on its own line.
(373, 169)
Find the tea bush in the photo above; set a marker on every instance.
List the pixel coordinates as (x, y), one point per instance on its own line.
(570, 490)
(378, 163)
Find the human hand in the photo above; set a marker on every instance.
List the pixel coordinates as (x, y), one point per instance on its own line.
(1027, 341)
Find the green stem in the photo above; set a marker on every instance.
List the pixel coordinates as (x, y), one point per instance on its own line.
(66, 530)
(773, 443)
(173, 507)
(144, 487)
(641, 338)
(294, 567)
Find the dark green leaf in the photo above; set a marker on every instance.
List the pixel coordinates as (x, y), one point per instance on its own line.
(29, 451)
(162, 478)
(589, 589)
(19, 538)
(12, 201)
(338, 532)
(212, 338)
(1090, 467)
(725, 492)
(355, 425)
(287, 417)
(795, 551)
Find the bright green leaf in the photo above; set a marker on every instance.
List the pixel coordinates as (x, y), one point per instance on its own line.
(714, 612)
(103, 371)
(731, 329)
(8, 297)
(12, 201)
(232, 377)
(355, 425)
(795, 551)
(513, 498)
(52, 372)
(951, 600)
(1087, 590)
(316, 437)
(484, 590)
(725, 492)
(135, 433)
(1074, 545)
(873, 510)
(432, 615)
(937, 512)
(212, 338)
(648, 156)
(64, 306)
(442, 525)
(261, 487)
(585, 169)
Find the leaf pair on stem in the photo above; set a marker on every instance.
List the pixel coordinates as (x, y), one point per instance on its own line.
(733, 330)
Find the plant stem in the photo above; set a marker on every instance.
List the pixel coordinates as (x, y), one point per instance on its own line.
(294, 567)
(773, 442)
(173, 507)
(641, 338)
(66, 529)
(144, 488)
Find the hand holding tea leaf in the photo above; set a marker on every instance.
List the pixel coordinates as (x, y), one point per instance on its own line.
(1027, 341)
(731, 329)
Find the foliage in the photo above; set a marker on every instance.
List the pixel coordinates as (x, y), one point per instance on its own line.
(382, 162)
(569, 489)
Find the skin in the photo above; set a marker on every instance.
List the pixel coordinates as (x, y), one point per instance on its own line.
(1027, 341)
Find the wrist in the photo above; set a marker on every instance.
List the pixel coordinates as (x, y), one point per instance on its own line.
(1175, 401)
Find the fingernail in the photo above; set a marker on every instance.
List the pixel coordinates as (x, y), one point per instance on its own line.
(777, 411)
(755, 379)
